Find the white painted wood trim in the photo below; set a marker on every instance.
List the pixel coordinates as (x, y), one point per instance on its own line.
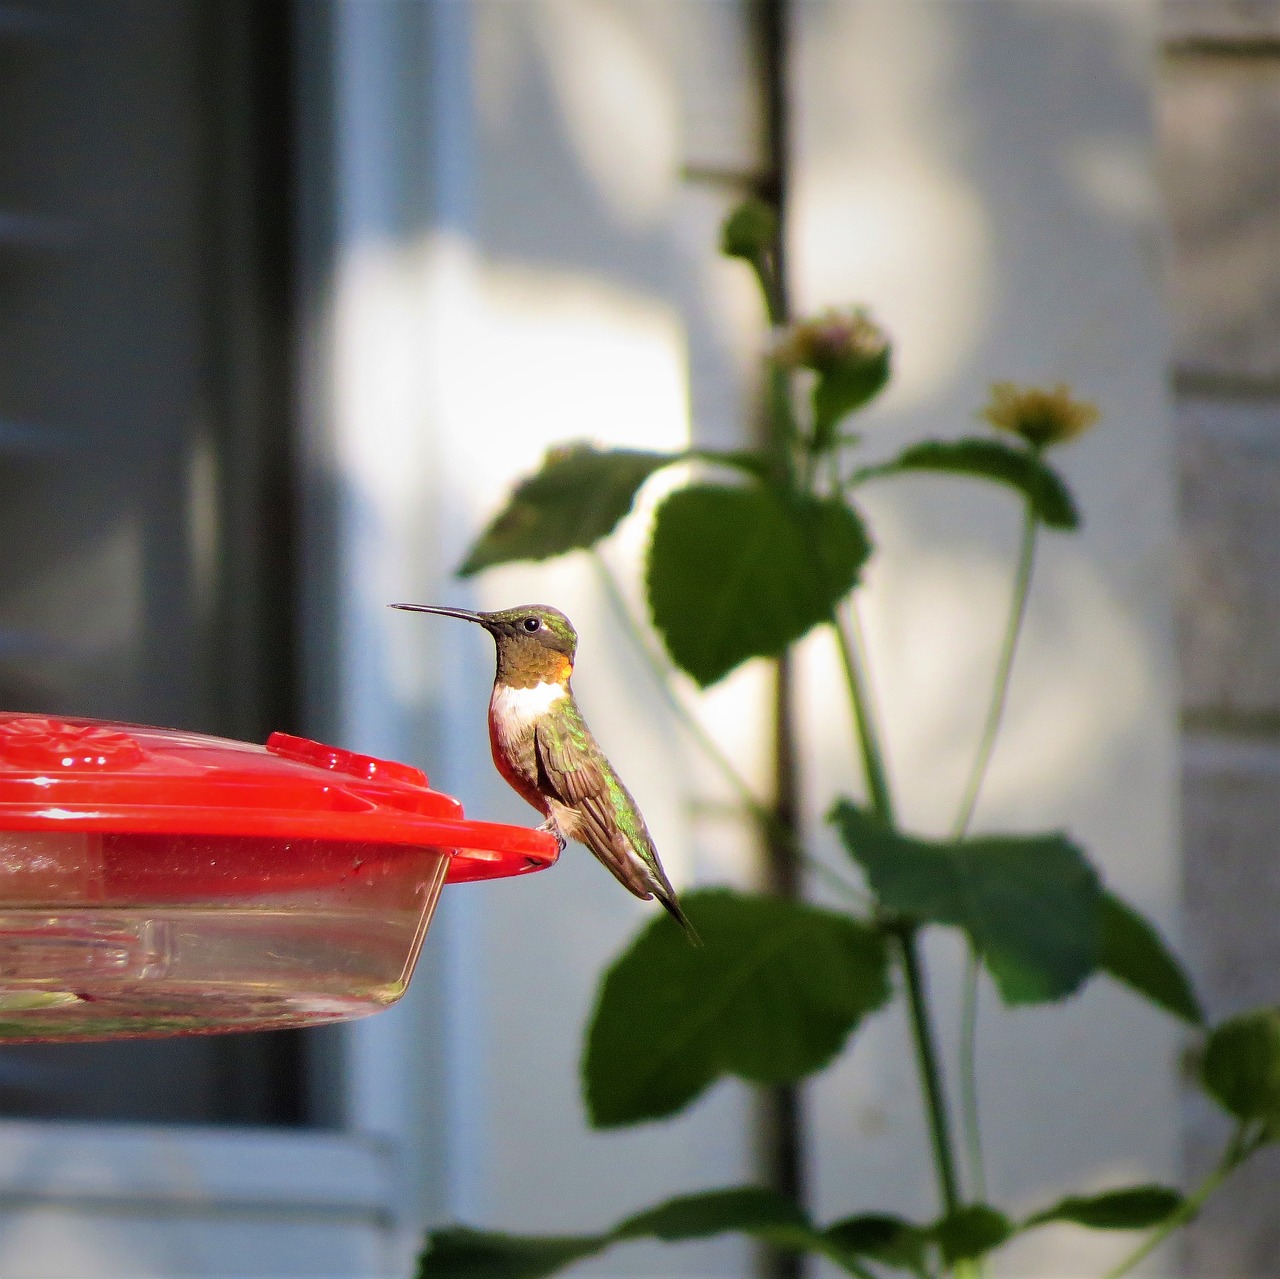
(211, 1171)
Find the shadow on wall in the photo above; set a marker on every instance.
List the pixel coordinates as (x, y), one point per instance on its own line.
(979, 174)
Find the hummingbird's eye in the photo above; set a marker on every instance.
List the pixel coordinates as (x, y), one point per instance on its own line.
(531, 624)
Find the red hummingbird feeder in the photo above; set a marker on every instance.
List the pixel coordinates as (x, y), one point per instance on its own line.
(158, 882)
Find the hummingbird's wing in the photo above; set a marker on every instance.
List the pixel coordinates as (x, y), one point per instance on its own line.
(588, 797)
(570, 767)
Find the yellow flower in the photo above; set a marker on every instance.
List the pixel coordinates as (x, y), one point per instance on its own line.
(1041, 417)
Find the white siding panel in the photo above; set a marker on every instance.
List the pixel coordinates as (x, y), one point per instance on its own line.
(146, 1202)
(51, 1242)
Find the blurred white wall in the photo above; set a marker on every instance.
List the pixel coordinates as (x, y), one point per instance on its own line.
(518, 262)
(981, 175)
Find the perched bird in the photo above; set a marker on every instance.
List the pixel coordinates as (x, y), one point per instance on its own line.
(543, 747)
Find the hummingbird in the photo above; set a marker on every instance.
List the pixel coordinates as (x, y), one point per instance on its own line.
(542, 746)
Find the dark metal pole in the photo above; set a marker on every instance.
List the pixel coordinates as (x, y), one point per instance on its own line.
(780, 1123)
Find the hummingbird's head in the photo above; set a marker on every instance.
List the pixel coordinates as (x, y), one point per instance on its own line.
(536, 643)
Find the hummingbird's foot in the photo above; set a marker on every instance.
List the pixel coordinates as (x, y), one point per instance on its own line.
(550, 827)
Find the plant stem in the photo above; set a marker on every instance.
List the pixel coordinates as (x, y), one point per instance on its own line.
(780, 438)
(781, 1122)
(1238, 1150)
(690, 722)
(760, 812)
(848, 641)
(1004, 668)
(930, 1076)
(968, 1075)
(850, 646)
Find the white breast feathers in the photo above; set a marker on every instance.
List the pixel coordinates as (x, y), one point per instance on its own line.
(520, 707)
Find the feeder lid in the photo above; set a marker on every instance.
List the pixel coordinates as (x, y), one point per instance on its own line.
(93, 775)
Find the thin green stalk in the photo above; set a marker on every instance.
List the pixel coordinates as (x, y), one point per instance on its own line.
(930, 1076)
(780, 418)
(691, 724)
(849, 643)
(780, 442)
(970, 1118)
(1239, 1148)
(760, 812)
(833, 472)
(1004, 669)
(771, 291)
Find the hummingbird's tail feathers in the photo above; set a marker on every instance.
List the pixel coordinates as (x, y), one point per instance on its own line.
(673, 909)
(588, 802)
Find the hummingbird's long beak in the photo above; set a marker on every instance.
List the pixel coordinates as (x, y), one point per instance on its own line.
(465, 614)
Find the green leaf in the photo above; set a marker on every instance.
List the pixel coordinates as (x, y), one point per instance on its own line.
(749, 461)
(576, 499)
(752, 1210)
(994, 460)
(1132, 1208)
(1029, 903)
(749, 230)
(736, 573)
(844, 388)
(1132, 952)
(462, 1253)
(970, 1232)
(771, 997)
(1241, 1067)
(882, 1238)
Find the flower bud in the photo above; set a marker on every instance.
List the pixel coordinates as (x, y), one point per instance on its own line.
(832, 342)
(749, 231)
(850, 354)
